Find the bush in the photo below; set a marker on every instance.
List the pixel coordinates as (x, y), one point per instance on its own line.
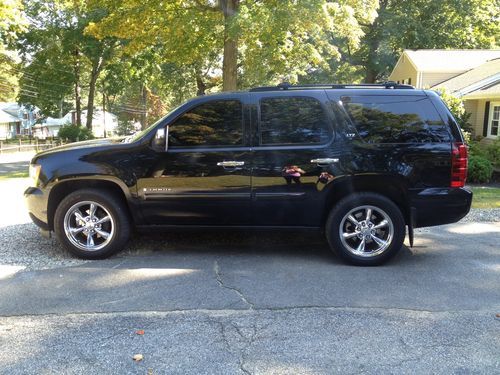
(457, 109)
(480, 169)
(73, 133)
(125, 128)
(492, 152)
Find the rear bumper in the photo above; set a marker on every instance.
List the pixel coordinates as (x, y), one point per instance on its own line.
(36, 202)
(437, 206)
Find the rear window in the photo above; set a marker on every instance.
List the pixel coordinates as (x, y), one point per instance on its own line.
(293, 121)
(396, 119)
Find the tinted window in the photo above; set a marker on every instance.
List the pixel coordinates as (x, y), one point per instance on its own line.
(293, 120)
(216, 123)
(396, 119)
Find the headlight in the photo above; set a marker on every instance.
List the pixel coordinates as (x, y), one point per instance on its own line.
(35, 173)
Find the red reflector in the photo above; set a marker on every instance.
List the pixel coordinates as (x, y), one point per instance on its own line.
(458, 165)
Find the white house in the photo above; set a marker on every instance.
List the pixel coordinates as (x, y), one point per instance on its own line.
(102, 123)
(8, 125)
(25, 117)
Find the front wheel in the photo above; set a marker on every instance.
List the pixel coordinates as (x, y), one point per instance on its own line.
(92, 224)
(366, 229)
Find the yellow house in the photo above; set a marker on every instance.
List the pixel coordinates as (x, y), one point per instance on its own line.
(472, 75)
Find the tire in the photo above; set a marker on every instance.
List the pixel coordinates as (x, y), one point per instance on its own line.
(369, 242)
(73, 223)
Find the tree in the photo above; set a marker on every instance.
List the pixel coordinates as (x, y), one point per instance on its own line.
(256, 41)
(457, 109)
(421, 24)
(59, 56)
(11, 22)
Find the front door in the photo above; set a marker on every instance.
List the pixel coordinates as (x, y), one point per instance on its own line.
(204, 177)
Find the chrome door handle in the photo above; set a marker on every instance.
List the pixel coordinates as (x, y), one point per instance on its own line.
(231, 164)
(325, 161)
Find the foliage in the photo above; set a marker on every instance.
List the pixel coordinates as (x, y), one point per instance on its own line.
(419, 24)
(479, 169)
(492, 152)
(276, 39)
(145, 58)
(457, 109)
(125, 127)
(73, 133)
(11, 22)
(58, 55)
(489, 151)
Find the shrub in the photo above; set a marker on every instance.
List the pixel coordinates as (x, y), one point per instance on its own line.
(457, 109)
(480, 169)
(492, 152)
(476, 149)
(125, 127)
(73, 133)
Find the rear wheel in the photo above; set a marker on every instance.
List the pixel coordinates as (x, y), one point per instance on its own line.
(92, 224)
(365, 229)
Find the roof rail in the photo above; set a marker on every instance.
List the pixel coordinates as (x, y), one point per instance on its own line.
(288, 86)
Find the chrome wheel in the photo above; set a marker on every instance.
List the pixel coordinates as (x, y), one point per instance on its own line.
(89, 226)
(366, 231)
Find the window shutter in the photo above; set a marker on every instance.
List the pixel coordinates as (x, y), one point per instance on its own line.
(486, 118)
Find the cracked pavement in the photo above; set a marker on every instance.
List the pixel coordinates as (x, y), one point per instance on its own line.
(259, 304)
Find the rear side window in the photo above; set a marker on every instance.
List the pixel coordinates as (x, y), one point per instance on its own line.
(293, 121)
(396, 119)
(212, 124)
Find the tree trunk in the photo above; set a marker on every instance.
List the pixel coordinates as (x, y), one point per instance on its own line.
(230, 59)
(94, 75)
(370, 75)
(144, 114)
(373, 38)
(104, 113)
(78, 98)
(200, 84)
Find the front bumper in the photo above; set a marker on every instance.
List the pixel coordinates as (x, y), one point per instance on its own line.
(438, 206)
(36, 202)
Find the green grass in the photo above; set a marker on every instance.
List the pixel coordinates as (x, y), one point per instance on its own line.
(14, 174)
(486, 197)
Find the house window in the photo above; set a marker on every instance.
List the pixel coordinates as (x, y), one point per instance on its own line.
(409, 81)
(494, 122)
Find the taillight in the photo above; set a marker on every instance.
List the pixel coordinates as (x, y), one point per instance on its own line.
(458, 164)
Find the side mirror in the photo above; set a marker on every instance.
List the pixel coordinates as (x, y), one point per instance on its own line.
(160, 141)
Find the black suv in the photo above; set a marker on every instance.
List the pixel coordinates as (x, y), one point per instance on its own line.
(361, 162)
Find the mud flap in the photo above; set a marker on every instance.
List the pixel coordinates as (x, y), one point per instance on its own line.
(411, 224)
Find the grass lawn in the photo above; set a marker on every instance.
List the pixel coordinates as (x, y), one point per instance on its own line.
(14, 174)
(486, 197)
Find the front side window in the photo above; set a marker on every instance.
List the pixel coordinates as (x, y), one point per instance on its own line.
(292, 121)
(396, 119)
(495, 120)
(211, 124)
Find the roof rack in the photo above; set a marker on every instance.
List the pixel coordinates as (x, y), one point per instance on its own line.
(288, 86)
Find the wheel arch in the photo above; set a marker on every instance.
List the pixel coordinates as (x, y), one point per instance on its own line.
(389, 186)
(60, 190)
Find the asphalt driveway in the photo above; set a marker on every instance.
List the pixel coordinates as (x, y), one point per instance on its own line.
(241, 302)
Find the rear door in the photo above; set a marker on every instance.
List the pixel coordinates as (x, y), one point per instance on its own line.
(293, 157)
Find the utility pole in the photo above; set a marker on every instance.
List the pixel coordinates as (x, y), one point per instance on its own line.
(144, 114)
(104, 112)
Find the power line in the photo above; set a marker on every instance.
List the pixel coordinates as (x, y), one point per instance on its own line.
(47, 83)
